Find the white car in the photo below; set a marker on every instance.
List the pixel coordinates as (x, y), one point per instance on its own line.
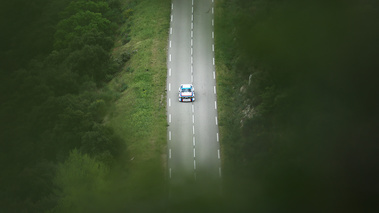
(186, 93)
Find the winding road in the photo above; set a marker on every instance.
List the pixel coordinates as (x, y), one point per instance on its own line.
(194, 163)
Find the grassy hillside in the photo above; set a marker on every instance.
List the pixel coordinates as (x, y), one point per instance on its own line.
(139, 115)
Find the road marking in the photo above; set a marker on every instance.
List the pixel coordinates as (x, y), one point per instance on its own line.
(169, 86)
(194, 153)
(169, 71)
(170, 44)
(169, 118)
(213, 61)
(170, 57)
(194, 164)
(172, 18)
(191, 69)
(172, 6)
(218, 154)
(192, 9)
(214, 75)
(169, 153)
(169, 135)
(191, 42)
(193, 109)
(215, 104)
(191, 78)
(191, 60)
(192, 2)
(212, 10)
(193, 141)
(216, 120)
(213, 46)
(213, 23)
(169, 102)
(213, 34)
(191, 37)
(192, 17)
(191, 25)
(193, 118)
(191, 51)
(214, 89)
(217, 136)
(170, 173)
(170, 30)
(193, 129)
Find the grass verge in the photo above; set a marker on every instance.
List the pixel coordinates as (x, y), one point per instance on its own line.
(139, 115)
(229, 83)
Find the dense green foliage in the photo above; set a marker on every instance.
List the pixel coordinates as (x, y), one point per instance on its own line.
(298, 118)
(55, 59)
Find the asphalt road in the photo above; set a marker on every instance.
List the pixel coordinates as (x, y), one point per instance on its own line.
(193, 137)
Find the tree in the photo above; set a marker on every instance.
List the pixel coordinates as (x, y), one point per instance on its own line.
(79, 24)
(81, 181)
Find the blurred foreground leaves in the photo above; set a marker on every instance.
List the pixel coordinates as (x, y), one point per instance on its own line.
(311, 142)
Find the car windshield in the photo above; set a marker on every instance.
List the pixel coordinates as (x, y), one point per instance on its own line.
(186, 90)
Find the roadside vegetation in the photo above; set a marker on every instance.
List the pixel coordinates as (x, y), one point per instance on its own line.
(82, 116)
(297, 110)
